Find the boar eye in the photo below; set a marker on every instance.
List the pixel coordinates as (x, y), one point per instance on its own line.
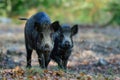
(41, 35)
(51, 35)
(61, 36)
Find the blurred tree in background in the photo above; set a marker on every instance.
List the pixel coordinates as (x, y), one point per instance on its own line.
(98, 12)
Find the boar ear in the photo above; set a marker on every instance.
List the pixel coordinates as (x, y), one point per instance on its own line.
(36, 26)
(74, 30)
(55, 26)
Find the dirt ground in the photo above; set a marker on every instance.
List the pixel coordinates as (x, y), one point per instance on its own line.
(96, 50)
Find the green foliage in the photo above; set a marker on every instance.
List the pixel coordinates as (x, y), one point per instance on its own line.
(76, 11)
(114, 9)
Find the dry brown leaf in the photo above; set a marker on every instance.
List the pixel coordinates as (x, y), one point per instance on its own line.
(18, 71)
(85, 62)
(31, 77)
(45, 71)
(45, 78)
(4, 78)
(56, 78)
(78, 77)
(113, 61)
(89, 78)
(59, 73)
(82, 74)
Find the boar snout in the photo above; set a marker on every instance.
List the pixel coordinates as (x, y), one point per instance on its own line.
(47, 48)
(67, 44)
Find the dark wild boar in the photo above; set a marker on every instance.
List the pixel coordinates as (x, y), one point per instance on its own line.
(38, 36)
(63, 44)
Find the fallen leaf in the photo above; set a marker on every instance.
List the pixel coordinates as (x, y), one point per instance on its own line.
(45, 71)
(59, 73)
(82, 74)
(4, 78)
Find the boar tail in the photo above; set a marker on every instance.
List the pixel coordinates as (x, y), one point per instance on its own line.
(23, 19)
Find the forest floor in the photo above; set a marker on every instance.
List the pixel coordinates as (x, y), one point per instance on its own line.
(95, 56)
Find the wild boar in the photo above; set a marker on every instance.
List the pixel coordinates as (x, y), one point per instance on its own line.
(38, 36)
(63, 44)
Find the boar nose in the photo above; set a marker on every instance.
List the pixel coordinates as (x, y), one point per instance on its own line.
(46, 46)
(67, 44)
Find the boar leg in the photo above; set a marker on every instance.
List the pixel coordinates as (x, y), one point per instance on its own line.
(59, 61)
(29, 53)
(47, 59)
(65, 60)
(46, 64)
(65, 63)
(41, 59)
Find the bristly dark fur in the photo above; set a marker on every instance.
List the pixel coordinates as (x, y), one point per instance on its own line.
(61, 54)
(38, 31)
